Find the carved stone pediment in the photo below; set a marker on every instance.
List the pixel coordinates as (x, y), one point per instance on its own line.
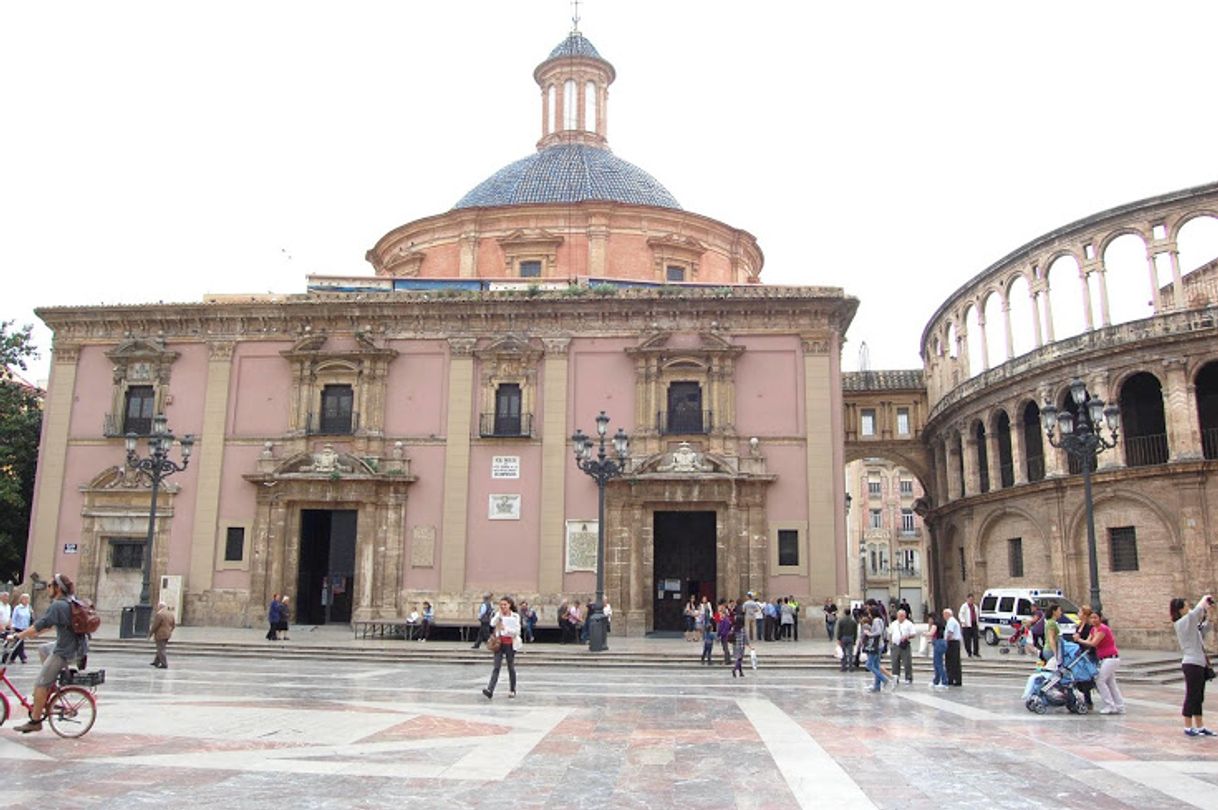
(685, 460)
(531, 239)
(666, 343)
(122, 477)
(323, 463)
(141, 360)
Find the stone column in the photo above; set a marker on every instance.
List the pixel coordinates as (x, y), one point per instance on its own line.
(1179, 301)
(1098, 270)
(993, 459)
(1097, 386)
(1019, 450)
(1154, 281)
(1180, 408)
(456, 464)
(955, 484)
(1055, 459)
(636, 608)
(554, 465)
(1034, 300)
(985, 340)
(1088, 315)
(52, 461)
(1007, 333)
(972, 470)
(1049, 333)
(209, 462)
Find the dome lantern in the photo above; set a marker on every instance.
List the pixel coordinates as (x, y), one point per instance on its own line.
(574, 81)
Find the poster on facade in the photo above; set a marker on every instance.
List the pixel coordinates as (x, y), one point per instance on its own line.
(505, 466)
(581, 545)
(504, 507)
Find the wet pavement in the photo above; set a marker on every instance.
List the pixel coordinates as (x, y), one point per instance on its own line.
(214, 732)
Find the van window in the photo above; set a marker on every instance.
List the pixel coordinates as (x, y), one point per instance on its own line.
(1025, 608)
(987, 603)
(1007, 604)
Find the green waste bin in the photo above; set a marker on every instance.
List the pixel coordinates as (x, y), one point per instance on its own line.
(126, 623)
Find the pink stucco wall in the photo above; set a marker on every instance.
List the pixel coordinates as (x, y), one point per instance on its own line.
(92, 398)
(424, 507)
(503, 554)
(260, 390)
(770, 388)
(417, 389)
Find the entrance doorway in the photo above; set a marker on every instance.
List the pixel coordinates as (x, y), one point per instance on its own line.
(325, 585)
(683, 565)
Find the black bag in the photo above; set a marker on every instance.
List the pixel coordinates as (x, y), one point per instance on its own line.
(1210, 674)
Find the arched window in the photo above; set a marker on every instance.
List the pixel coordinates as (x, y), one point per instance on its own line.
(590, 106)
(983, 457)
(551, 108)
(1006, 467)
(1207, 408)
(570, 105)
(1143, 421)
(1033, 444)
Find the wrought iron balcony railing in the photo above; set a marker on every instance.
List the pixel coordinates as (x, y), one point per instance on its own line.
(493, 425)
(684, 422)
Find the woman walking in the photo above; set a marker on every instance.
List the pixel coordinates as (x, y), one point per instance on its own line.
(1102, 640)
(691, 611)
(873, 641)
(1189, 624)
(738, 637)
(939, 650)
(285, 613)
(505, 626)
(725, 629)
(272, 618)
(709, 632)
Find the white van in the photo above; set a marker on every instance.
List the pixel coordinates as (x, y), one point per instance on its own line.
(999, 606)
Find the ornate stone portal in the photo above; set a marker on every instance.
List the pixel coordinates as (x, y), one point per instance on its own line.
(327, 479)
(685, 480)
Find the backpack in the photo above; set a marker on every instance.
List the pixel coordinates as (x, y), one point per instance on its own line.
(85, 619)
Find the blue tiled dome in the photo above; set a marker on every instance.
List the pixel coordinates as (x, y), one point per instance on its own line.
(574, 45)
(568, 173)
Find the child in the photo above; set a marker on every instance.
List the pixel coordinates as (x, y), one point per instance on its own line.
(709, 632)
(737, 637)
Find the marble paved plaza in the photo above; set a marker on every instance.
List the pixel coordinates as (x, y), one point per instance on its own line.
(260, 733)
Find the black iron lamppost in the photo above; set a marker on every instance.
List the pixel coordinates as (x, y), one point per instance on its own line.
(157, 466)
(602, 468)
(1084, 442)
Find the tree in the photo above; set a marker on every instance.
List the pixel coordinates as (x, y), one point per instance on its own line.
(20, 427)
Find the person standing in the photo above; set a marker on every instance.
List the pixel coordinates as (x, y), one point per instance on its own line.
(285, 616)
(952, 634)
(690, 616)
(429, 618)
(724, 622)
(752, 610)
(710, 632)
(903, 632)
(68, 647)
(272, 618)
(6, 611)
(738, 635)
(830, 616)
(1103, 641)
(938, 628)
(484, 613)
(1189, 624)
(160, 631)
(770, 611)
(22, 618)
(607, 609)
(873, 641)
(794, 603)
(847, 633)
(969, 625)
(786, 618)
(505, 625)
(1053, 637)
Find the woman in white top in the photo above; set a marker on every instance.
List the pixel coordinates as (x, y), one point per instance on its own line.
(1189, 622)
(505, 626)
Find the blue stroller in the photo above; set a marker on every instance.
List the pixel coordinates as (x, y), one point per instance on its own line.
(1058, 688)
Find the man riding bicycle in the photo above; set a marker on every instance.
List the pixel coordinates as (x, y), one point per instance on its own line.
(67, 649)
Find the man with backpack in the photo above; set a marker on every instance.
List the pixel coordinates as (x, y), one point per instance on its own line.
(485, 612)
(69, 646)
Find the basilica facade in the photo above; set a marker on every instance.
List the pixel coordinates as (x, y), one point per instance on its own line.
(400, 436)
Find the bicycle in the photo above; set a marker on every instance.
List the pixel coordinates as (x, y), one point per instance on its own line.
(71, 708)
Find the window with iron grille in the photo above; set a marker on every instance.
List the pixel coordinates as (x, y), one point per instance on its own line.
(127, 554)
(674, 273)
(137, 411)
(530, 269)
(906, 486)
(877, 519)
(903, 421)
(875, 489)
(684, 407)
(788, 547)
(234, 544)
(907, 521)
(507, 409)
(1015, 556)
(1123, 548)
(337, 405)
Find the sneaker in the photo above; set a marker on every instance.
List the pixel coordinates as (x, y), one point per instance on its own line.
(511, 694)
(26, 728)
(489, 694)
(1205, 732)
(909, 681)
(1188, 732)
(1107, 710)
(892, 684)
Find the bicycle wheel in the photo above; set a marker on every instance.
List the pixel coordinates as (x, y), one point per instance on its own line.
(71, 711)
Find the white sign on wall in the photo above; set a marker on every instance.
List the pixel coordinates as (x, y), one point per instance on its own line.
(581, 545)
(504, 507)
(505, 466)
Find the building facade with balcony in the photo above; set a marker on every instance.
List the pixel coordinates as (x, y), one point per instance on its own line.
(400, 436)
(884, 534)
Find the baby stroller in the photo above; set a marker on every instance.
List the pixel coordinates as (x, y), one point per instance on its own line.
(1047, 689)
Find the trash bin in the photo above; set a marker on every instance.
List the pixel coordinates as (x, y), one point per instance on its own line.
(126, 623)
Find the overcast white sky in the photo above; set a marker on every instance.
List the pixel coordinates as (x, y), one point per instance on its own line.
(158, 151)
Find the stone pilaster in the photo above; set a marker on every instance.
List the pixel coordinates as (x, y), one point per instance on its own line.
(554, 466)
(209, 462)
(1180, 410)
(456, 464)
(822, 506)
(52, 462)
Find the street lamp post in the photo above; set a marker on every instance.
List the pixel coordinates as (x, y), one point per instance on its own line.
(1084, 442)
(156, 467)
(601, 468)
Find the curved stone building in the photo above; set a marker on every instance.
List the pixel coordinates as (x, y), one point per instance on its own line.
(1008, 507)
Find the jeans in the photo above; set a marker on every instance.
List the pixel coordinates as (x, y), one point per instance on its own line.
(505, 650)
(708, 649)
(940, 656)
(829, 625)
(847, 643)
(873, 666)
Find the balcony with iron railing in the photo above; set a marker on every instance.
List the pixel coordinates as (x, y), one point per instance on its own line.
(115, 425)
(1144, 451)
(677, 423)
(320, 425)
(499, 426)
